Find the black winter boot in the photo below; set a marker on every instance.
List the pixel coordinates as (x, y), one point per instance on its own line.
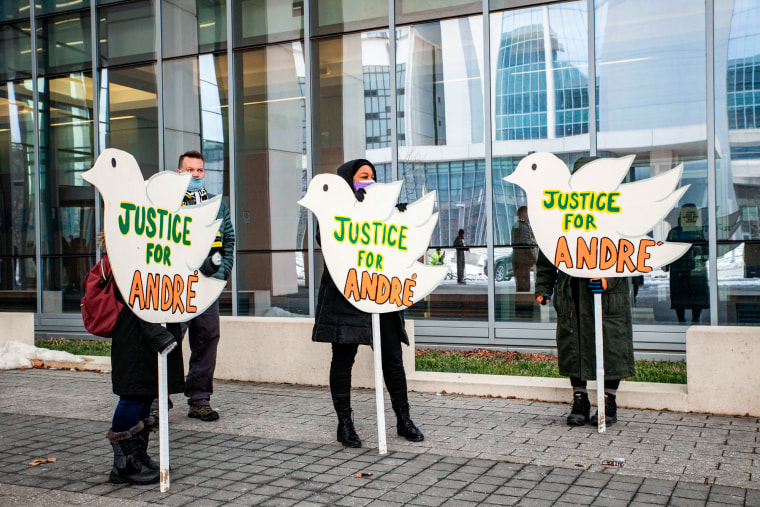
(127, 466)
(610, 411)
(346, 431)
(404, 425)
(143, 437)
(579, 415)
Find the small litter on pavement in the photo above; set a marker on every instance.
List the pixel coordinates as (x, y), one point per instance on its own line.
(364, 474)
(614, 462)
(41, 461)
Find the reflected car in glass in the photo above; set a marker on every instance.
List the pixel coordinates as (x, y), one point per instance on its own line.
(504, 270)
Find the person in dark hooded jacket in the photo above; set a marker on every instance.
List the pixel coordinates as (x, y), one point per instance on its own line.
(134, 377)
(576, 347)
(344, 326)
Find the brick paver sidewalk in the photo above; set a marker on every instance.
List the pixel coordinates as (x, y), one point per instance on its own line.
(274, 445)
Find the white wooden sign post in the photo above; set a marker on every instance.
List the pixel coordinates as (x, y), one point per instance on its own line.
(592, 225)
(156, 247)
(371, 251)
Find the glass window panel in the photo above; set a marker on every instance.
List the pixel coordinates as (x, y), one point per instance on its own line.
(335, 16)
(129, 114)
(14, 9)
(193, 26)
(737, 160)
(195, 115)
(274, 284)
(414, 11)
(64, 43)
(16, 51)
(533, 48)
(271, 170)
(127, 33)
(67, 220)
(53, 6)
(18, 271)
(651, 90)
(346, 66)
(442, 103)
(267, 21)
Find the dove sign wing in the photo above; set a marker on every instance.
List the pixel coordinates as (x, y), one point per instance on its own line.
(155, 245)
(370, 248)
(590, 224)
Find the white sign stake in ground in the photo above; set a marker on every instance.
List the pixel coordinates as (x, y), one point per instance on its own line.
(592, 225)
(371, 250)
(156, 247)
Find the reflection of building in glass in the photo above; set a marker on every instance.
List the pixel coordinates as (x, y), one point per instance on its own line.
(743, 111)
(540, 92)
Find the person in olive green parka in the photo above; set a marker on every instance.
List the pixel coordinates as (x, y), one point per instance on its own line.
(576, 349)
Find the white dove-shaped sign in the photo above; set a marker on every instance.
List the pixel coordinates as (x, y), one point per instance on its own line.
(371, 248)
(155, 245)
(590, 224)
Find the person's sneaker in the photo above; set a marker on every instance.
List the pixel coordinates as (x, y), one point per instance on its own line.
(204, 413)
(610, 411)
(581, 409)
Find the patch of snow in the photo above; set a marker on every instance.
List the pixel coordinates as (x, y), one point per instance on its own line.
(15, 354)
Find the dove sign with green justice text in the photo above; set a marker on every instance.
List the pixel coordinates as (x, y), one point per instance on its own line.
(155, 244)
(590, 223)
(370, 247)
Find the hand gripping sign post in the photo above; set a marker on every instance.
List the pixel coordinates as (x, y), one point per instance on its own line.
(156, 247)
(591, 225)
(371, 251)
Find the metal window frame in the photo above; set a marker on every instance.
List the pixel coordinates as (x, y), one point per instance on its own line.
(36, 142)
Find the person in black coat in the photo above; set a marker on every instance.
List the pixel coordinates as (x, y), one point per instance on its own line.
(338, 322)
(134, 376)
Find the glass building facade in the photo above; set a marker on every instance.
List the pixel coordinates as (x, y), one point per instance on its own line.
(446, 96)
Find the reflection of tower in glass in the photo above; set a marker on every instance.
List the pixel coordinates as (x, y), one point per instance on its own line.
(540, 92)
(743, 112)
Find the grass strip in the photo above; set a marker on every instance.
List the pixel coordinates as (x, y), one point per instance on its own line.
(78, 347)
(493, 362)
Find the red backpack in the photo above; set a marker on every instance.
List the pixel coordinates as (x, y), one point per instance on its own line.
(100, 305)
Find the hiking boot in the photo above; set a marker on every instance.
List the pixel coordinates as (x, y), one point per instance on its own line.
(346, 431)
(404, 425)
(581, 409)
(610, 411)
(203, 412)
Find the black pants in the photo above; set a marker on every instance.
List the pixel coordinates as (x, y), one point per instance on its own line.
(343, 356)
(204, 340)
(608, 384)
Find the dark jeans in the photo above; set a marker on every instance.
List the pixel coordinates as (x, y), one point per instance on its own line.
(393, 370)
(203, 333)
(129, 412)
(522, 277)
(460, 265)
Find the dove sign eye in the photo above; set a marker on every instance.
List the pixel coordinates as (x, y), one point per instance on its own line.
(324, 188)
(113, 162)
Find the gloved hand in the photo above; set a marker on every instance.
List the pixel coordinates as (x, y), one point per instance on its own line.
(359, 194)
(211, 264)
(597, 285)
(401, 207)
(544, 299)
(169, 347)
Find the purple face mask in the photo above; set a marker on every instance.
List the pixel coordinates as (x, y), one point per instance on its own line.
(362, 184)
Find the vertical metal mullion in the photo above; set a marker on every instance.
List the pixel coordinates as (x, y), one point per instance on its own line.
(231, 121)
(95, 109)
(711, 168)
(36, 127)
(160, 85)
(309, 146)
(488, 144)
(394, 98)
(591, 17)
